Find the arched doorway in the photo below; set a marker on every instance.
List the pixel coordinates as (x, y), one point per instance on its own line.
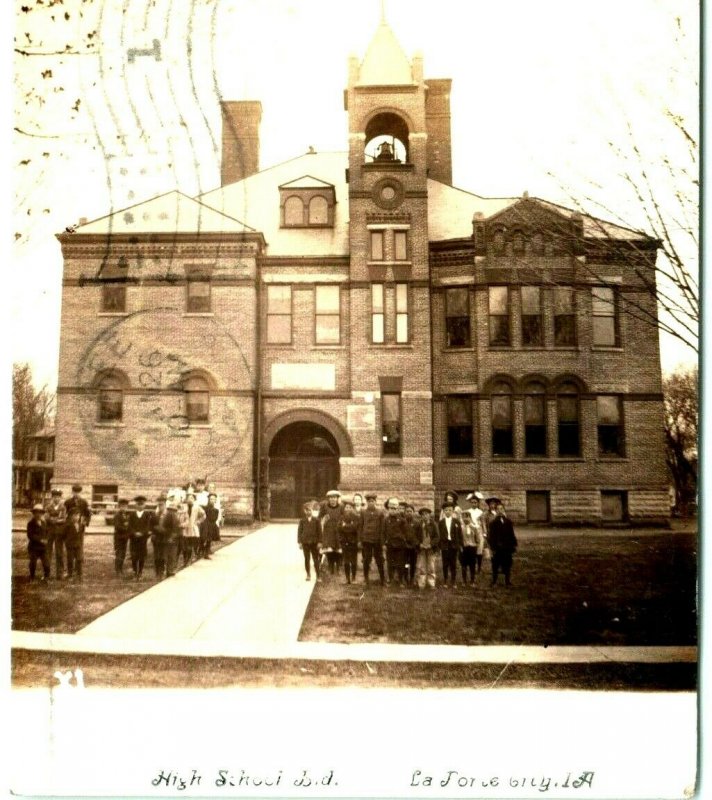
(303, 465)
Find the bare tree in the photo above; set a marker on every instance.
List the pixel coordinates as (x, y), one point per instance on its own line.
(681, 400)
(32, 411)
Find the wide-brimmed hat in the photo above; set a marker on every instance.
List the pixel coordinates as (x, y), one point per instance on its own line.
(333, 493)
(475, 496)
(425, 510)
(37, 507)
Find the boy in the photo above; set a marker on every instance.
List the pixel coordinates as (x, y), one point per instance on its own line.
(468, 554)
(450, 538)
(372, 538)
(157, 538)
(309, 536)
(349, 532)
(56, 516)
(209, 530)
(74, 540)
(37, 541)
(139, 531)
(413, 536)
(503, 543)
(425, 567)
(394, 535)
(121, 535)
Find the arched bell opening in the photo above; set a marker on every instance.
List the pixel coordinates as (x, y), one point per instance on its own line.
(387, 139)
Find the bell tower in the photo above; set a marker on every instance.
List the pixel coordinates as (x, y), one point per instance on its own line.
(388, 233)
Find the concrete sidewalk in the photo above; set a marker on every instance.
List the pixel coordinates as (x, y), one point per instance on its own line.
(250, 592)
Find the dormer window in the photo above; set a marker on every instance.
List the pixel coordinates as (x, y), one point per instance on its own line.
(307, 203)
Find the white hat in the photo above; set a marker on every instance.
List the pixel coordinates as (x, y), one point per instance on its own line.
(475, 496)
(333, 493)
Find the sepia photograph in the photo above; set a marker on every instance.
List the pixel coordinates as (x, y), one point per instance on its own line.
(354, 347)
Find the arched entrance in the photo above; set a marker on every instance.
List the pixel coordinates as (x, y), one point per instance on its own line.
(303, 465)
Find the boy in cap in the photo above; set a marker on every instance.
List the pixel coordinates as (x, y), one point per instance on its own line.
(428, 548)
(372, 540)
(157, 537)
(309, 536)
(413, 537)
(56, 517)
(74, 542)
(450, 539)
(209, 530)
(169, 525)
(139, 531)
(468, 554)
(503, 543)
(78, 502)
(331, 514)
(349, 532)
(121, 535)
(37, 541)
(394, 535)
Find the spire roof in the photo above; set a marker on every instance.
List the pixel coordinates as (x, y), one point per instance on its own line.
(385, 62)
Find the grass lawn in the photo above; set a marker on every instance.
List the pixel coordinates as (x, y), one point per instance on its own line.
(592, 587)
(65, 606)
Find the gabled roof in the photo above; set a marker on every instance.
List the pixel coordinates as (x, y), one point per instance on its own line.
(173, 212)
(385, 63)
(307, 182)
(256, 200)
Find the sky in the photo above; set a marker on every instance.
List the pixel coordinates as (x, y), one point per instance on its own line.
(540, 90)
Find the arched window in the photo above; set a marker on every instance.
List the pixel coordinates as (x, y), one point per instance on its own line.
(197, 399)
(293, 211)
(535, 419)
(567, 412)
(502, 440)
(318, 210)
(498, 243)
(519, 244)
(111, 399)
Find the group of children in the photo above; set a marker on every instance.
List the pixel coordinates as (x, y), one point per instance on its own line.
(183, 525)
(405, 544)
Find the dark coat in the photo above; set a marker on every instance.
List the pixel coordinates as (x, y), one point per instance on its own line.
(74, 534)
(121, 524)
(456, 540)
(330, 519)
(309, 531)
(140, 527)
(37, 536)
(372, 526)
(413, 531)
(501, 536)
(209, 529)
(350, 529)
(78, 502)
(169, 525)
(432, 528)
(56, 514)
(394, 530)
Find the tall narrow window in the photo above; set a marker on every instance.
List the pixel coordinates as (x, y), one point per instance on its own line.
(532, 328)
(498, 243)
(111, 400)
(113, 297)
(391, 423)
(279, 314)
(197, 399)
(564, 316)
(378, 327)
(535, 420)
(198, 296)
(377, 250)
(567, 412)
(293, 211)
(611, 441)
(402, 327)
(499, 316)
(318, 211)
(459, 427)
(400, 245)
(457, 317)
(605, 316)
(518, 244)
(328, 317)
(502, 439)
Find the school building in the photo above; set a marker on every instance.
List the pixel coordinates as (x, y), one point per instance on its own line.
(353, 320)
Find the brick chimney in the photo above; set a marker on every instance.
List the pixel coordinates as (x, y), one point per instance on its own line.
(240, 139)
(437, 125)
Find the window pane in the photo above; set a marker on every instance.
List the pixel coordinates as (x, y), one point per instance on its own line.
(327, 299)
(402, 298)
(377, 245)
(569, 439)
(531, 300)
(457, 303)
(198, 296)
(293, 211)
(567, 409)
(377, 297)
(196, 406)
(458, 331)
(401, 328)
(113, 298)
(501, 411)
(502, 444)
(603, 301)
(400, 239)
(459, 441)
(532, 330)
(459, 411)
(608, 410)
(318, 211)
(377, 330)
(498, 300)
(110, 405)
(391, 407)
(604, 331)
(390, 410)
(535, 440)
(327, 329)
(279, 329)
(534, 413)
(610, 440)
(565, 329)
(563, 300)
(279, 299)
(499, 330)
(518, 243)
